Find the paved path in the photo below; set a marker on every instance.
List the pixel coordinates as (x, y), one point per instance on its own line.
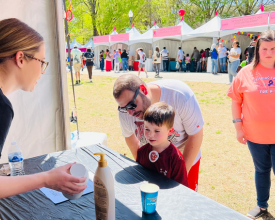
(195, 77)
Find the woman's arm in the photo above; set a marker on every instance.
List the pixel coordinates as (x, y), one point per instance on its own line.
(58, 179)
(237, 113)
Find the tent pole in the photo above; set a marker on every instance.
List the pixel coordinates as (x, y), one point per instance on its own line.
(74, 113)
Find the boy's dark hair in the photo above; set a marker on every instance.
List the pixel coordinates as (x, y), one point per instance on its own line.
(160, 114)
(141, 49)
(187, 54)
(179, 48)
(164, 48)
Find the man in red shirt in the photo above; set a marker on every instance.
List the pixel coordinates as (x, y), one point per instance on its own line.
(160, 154)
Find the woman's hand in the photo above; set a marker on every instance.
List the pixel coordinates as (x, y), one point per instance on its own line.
(59, 179)
(241, 136)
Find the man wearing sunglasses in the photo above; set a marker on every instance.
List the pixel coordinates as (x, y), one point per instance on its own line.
(134, 97)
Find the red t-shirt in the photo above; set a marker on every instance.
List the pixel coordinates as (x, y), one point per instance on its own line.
(170, 163)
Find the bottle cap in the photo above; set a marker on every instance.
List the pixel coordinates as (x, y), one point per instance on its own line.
(102, 162)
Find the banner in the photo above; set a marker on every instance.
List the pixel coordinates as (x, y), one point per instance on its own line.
(272, 18)
(119, 37)
(166, 32)
(101, 39)
(245, 21)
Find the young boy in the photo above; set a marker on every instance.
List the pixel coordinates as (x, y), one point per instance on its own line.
(160, 154)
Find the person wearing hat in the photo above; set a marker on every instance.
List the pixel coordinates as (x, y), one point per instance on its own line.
(89, 58)
(77, 59)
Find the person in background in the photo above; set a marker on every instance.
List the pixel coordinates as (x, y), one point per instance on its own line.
(180, 58)
(196, 54)
(142, 60)
(156, 61)
(214, 59)
(77, 60)
(199, 62)
(108, 61)
(222, 57)
(250, 51)
(158, 126)
(203, 58)
(207, 54)
(101, 60)
(89, 58)
(234, 60)
(116, 57)
(124, 57)
(253, 104)
(165, 59)
(187, 61)
(119, 51)
(22, 64)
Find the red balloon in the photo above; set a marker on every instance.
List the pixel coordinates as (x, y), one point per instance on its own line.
(222, 40)
(181, 12)
(247, 34)
(239, 32)
(231, 39)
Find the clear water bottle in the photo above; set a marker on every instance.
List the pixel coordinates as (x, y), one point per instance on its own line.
(16, 160)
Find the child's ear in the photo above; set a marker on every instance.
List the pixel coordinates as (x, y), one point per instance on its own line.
(170, 131)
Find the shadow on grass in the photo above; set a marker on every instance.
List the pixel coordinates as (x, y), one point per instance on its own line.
(268, 216)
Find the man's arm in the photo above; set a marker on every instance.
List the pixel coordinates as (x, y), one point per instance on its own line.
(191, 150)
(133, 144)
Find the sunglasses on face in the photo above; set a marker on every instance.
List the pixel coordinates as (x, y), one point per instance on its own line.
(131, 105)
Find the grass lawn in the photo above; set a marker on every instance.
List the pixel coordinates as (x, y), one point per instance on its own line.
(226, 170)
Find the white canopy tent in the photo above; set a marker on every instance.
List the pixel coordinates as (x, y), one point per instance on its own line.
(144, 41)
(172, 43)
(210, 29)
(246, 29)
(89, 44)
(75, 43)
(41, 118)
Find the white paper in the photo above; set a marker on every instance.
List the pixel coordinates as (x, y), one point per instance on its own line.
(57, 197)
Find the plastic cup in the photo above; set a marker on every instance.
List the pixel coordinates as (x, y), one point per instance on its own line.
(149, 194)
(77, 170)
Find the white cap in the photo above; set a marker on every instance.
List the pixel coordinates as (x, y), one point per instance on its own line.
(75, 46)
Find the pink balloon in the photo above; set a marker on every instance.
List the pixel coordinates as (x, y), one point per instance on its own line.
(181, 12)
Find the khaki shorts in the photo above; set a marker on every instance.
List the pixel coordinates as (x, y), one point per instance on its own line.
(141, 65)
(77, 67)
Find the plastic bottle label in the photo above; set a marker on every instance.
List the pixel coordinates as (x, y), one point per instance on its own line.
(101, 199)
(15, 159)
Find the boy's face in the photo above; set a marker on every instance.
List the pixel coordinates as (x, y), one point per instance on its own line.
(156, 135)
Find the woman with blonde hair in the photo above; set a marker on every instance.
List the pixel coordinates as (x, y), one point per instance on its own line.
(156, 61)
(22, 55)
(253, 103)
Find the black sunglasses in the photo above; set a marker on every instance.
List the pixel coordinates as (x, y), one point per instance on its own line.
(131, 105)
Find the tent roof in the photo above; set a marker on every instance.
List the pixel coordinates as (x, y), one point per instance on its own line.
(185, 28)
(89, 44)
(146, 37)
(75, 42)
(114, 32)
(133, 33)
(209, 29)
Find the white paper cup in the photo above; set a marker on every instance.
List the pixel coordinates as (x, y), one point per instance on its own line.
(77, 170)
